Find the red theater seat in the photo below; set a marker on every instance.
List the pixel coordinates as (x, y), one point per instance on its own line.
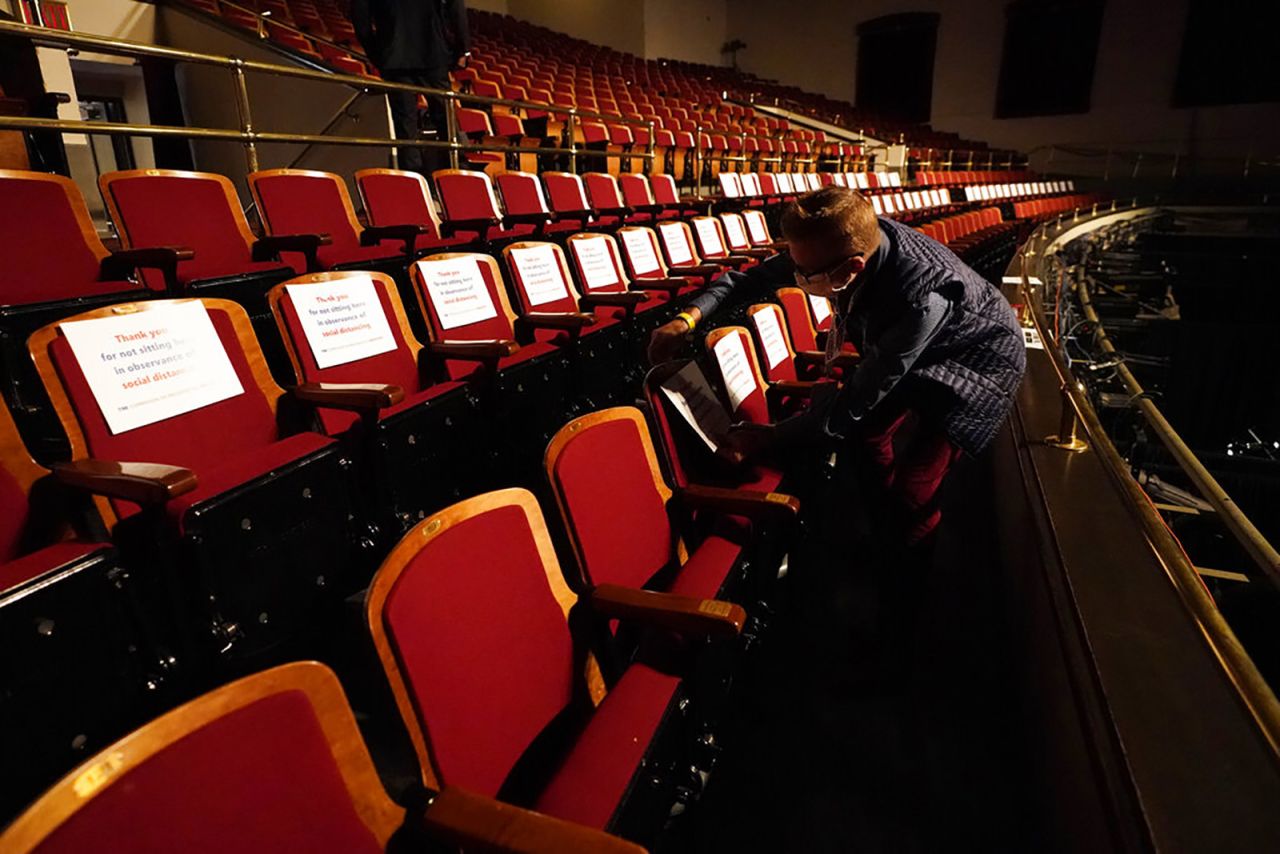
(781, 360)
(392, 197)
(471, 209)
(271, 762)
(644, 261)
(240, 516)
(752, 398)
(601, 270)
(619, 512)
(302, 201)
(569, 199)
(470, 617)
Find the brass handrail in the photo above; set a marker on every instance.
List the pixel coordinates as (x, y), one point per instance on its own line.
(1255, 695)
(1259, 549)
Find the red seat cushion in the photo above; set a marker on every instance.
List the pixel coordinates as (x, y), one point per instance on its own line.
(461, 370)
(244, 467)
(704, 573)
(593, 779)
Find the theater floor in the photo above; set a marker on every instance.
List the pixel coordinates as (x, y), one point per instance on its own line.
(845, 743)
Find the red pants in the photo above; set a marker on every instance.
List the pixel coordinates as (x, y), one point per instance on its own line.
(906, 457)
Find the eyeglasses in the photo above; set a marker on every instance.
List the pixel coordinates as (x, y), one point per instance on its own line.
(825, 279)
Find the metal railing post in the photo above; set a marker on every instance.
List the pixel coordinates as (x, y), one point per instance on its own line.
(572, 128)
(246, 117)
(697, 158)
(1066, 439)
(451, 129)
(650, 148)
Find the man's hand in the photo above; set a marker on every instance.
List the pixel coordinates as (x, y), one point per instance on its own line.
(747, 440)
(666, 341)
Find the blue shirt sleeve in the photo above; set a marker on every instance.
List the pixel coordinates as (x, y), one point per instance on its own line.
(887, 361)
(759, 282)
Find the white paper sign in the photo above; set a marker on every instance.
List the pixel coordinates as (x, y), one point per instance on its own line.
(861, 179)
(756, 226)
(729, 185)
(775, 346)
(735, 232)
(152, 365)
(751, 184)
(458, 292)
(875, 204)
(709, 236)
(343, 321)
(640, 249)
(677, 243)
(735, 369)
(895, 180)
(596, 262)
(783, 180)
(814, 182)
(693, 398)
(840, 180)
(821, 308)
(1031, 338)
(540, 273)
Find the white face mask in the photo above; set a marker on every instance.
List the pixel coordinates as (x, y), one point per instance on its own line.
(825, 283)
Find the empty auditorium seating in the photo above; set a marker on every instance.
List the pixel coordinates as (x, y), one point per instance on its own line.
(470, 615)
(54, 266)
(240, 532)
(471, 209)
(569, 199)
(603, 470)
(413, 437)
(600, 268)
(301, 201)
(524, 201)
(736, 241)
(712, 247)
(395, 198)
(677, 247)
(271, 762)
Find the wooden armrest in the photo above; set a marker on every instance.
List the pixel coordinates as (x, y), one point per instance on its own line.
(671, 286)
(476, 351)
(572, 322)
(755, 253)
(617, 299)
(357, 397)
(121, 263)
(479, 823)
(736, 259)
(739, 502)
(269, 248)
(141, 483)
(687, 615)
(699, 270)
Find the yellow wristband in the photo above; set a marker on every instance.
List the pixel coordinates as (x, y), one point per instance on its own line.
(687, 318)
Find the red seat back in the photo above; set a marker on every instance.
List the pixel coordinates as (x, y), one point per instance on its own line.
(298, 201)
(636, 192)
(469, 617)
(438, 278)
(598, 263)
(541, 279)
(677, 243)
(226, 772)
(773, 344)
(152, 207)
(566, 191)
(467, 195)
(604, 473)
(395, 197)
(602, 191)
(734, 357)
(47, 240)
(664, 190)
(797, 312)
(522, 193)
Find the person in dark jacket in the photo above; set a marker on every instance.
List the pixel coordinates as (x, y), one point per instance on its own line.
(941, 350)
(414, 42)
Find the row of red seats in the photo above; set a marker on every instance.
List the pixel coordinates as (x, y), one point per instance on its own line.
(1044, 208)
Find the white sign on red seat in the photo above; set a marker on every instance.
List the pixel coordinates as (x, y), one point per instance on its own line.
(596, 262)
(640, 249)
(756, 225)
(821, 308)
(771, 338)
(709, 236)
(540, 274)
(736, 233)
(343, 320)
(152, 365)
(677, 243)
(735, 369)
(458, 291)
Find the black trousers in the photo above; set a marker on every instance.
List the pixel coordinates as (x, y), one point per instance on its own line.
(408, 123)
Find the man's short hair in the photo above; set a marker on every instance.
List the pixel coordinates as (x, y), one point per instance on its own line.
(833, 213)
